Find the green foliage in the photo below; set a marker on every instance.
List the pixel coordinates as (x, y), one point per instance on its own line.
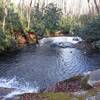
(5, 41)
(37, 24)
(91, 30)
(13, 22)
(52, 17)
(68, 24)
(84, 19)
(46, 20)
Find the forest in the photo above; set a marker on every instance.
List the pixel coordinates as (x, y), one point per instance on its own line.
(49, 49)
(45, 20)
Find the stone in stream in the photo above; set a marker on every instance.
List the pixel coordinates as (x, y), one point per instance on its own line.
(84, 83)
(94, 78)
(5, 91)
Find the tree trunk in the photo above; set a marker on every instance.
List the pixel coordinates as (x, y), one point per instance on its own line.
(96, 5)
(29, 14)
(5, 5)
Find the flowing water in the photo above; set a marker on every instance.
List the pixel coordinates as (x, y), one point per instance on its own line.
(36, 67)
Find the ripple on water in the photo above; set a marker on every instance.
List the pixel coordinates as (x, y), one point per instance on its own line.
(44, 65)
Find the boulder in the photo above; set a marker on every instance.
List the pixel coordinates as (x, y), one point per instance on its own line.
(94, 78)
(84, 83)
(32, 38)
(21, 41)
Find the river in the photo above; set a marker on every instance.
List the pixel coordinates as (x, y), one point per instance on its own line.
(36, 67)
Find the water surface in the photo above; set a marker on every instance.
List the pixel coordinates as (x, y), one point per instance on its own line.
(36, 67)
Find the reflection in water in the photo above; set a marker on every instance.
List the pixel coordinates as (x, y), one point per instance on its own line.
(44, 65)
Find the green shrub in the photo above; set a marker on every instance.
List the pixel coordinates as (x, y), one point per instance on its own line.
(46, 20)
(5, 41)
(52, 16)
(37, 24)
(68, 24)
(91, 30)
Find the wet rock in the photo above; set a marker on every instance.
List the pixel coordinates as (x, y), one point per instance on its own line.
(21, 39)
(76, 39)
(94, 78)
(5, 91)
(62, 45)
(32, 38)
(84, 83)
(29, 37)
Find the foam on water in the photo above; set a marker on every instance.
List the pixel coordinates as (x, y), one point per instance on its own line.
(15, 93)
(14, 83)
(72, 40)
(19, 88)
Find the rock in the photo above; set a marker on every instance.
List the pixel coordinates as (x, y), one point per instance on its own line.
(5, 91)
(22, 40)
(71, 85)
(94, 78)
(62, 45)
(87, 47)
(32, 38)
(84, 83)
(76, 39)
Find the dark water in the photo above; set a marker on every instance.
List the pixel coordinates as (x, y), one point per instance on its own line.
(40, 66)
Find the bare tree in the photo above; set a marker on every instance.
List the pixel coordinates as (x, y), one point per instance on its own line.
(5, 6)
(96, 5)
(29, 9)
(89, 6)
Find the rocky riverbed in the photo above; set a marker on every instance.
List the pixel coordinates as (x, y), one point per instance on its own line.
(81, 87)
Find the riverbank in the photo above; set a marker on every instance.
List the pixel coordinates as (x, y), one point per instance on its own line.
(81, 87)
(64, 42)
